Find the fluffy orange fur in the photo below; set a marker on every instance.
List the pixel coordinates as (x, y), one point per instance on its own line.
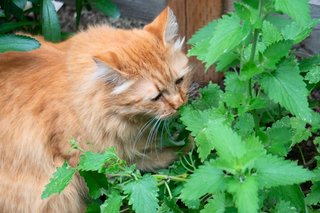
(100, 87)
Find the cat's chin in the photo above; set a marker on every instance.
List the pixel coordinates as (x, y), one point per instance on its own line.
(167, 116)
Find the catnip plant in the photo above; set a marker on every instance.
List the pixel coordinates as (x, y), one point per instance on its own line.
(244, 130)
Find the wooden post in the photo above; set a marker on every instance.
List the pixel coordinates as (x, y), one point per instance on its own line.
(191, 16)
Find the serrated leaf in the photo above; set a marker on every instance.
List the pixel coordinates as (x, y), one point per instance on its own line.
(282, 172)
(290, 193)
(93, 206)
(226, 61)
(285, 207)
(209, 97)
(90, 161)
(228, 34)
(270, 33)
(249, 70)
(107, 7)
(275, 52)
(297, 32)
(204, 33)
(313, 76)
(204, 145)
(227, 143)
(60, 179)
(112, 204)
(313, 197)
(279, 137)
(17, 43)
(244, 124)
(97, 183)
(194, 120)
(235, 90)
(300, 131)
(308, 63)
(298, 10)
(206, 179)
(245, 194)
(247, 13)
(143, 194)
(286, 87)
(51, 29)
(216, 205)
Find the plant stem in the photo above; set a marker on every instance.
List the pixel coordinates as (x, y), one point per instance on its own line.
(168, 189)
(180, 178)
(302, 155)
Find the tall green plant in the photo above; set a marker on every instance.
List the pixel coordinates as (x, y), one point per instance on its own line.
(44, 20)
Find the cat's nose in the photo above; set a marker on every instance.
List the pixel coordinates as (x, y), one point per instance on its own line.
(177, 102)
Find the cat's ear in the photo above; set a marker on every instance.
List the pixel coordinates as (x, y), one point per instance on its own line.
(109, 71)
(165, 26)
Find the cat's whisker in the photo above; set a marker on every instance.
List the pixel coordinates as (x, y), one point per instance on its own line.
(142, 130)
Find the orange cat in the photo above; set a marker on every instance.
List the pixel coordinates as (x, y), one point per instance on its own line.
(100, 86)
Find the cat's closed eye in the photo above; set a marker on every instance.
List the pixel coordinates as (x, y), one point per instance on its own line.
(157, 97)
(179, 81)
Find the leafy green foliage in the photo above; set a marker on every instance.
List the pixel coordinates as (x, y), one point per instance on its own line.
(61, 178)
(143, 194)
(256, 134)
(42, 18)
(51, 29)
(286, 87)
(17, 43)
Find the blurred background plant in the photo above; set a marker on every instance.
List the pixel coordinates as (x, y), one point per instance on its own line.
(40, 17)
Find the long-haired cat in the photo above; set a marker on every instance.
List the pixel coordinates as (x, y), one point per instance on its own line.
(100, 86)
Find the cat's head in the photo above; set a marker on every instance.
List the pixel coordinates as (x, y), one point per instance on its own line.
(146, 70)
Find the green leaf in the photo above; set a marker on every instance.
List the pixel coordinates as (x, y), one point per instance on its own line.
(97, 183)
(250, 70)
(143, 194)
(106, 7)
(209, 97)
(112, 204)
(61, 178)
(227, 143)
(313, 197)
(298, 10)
(216, 205)
(9, 26)
(20, 3)
(17, 43)
(313, 76)
(204, 33)
(226, 61)
(275, 52)
(228, 34)
(292, 194)
(282, 172)
(245, 194)
(245, 124)
(285, 207)
(90, 161)
(297, 32)
(93, 206)
(286, 87)
(270, 33)
(279, 137)
(300, 131)
(204, 145)
(235, 90)
(308, 63)
(50, 23)
(246, 13)
(206, 179)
